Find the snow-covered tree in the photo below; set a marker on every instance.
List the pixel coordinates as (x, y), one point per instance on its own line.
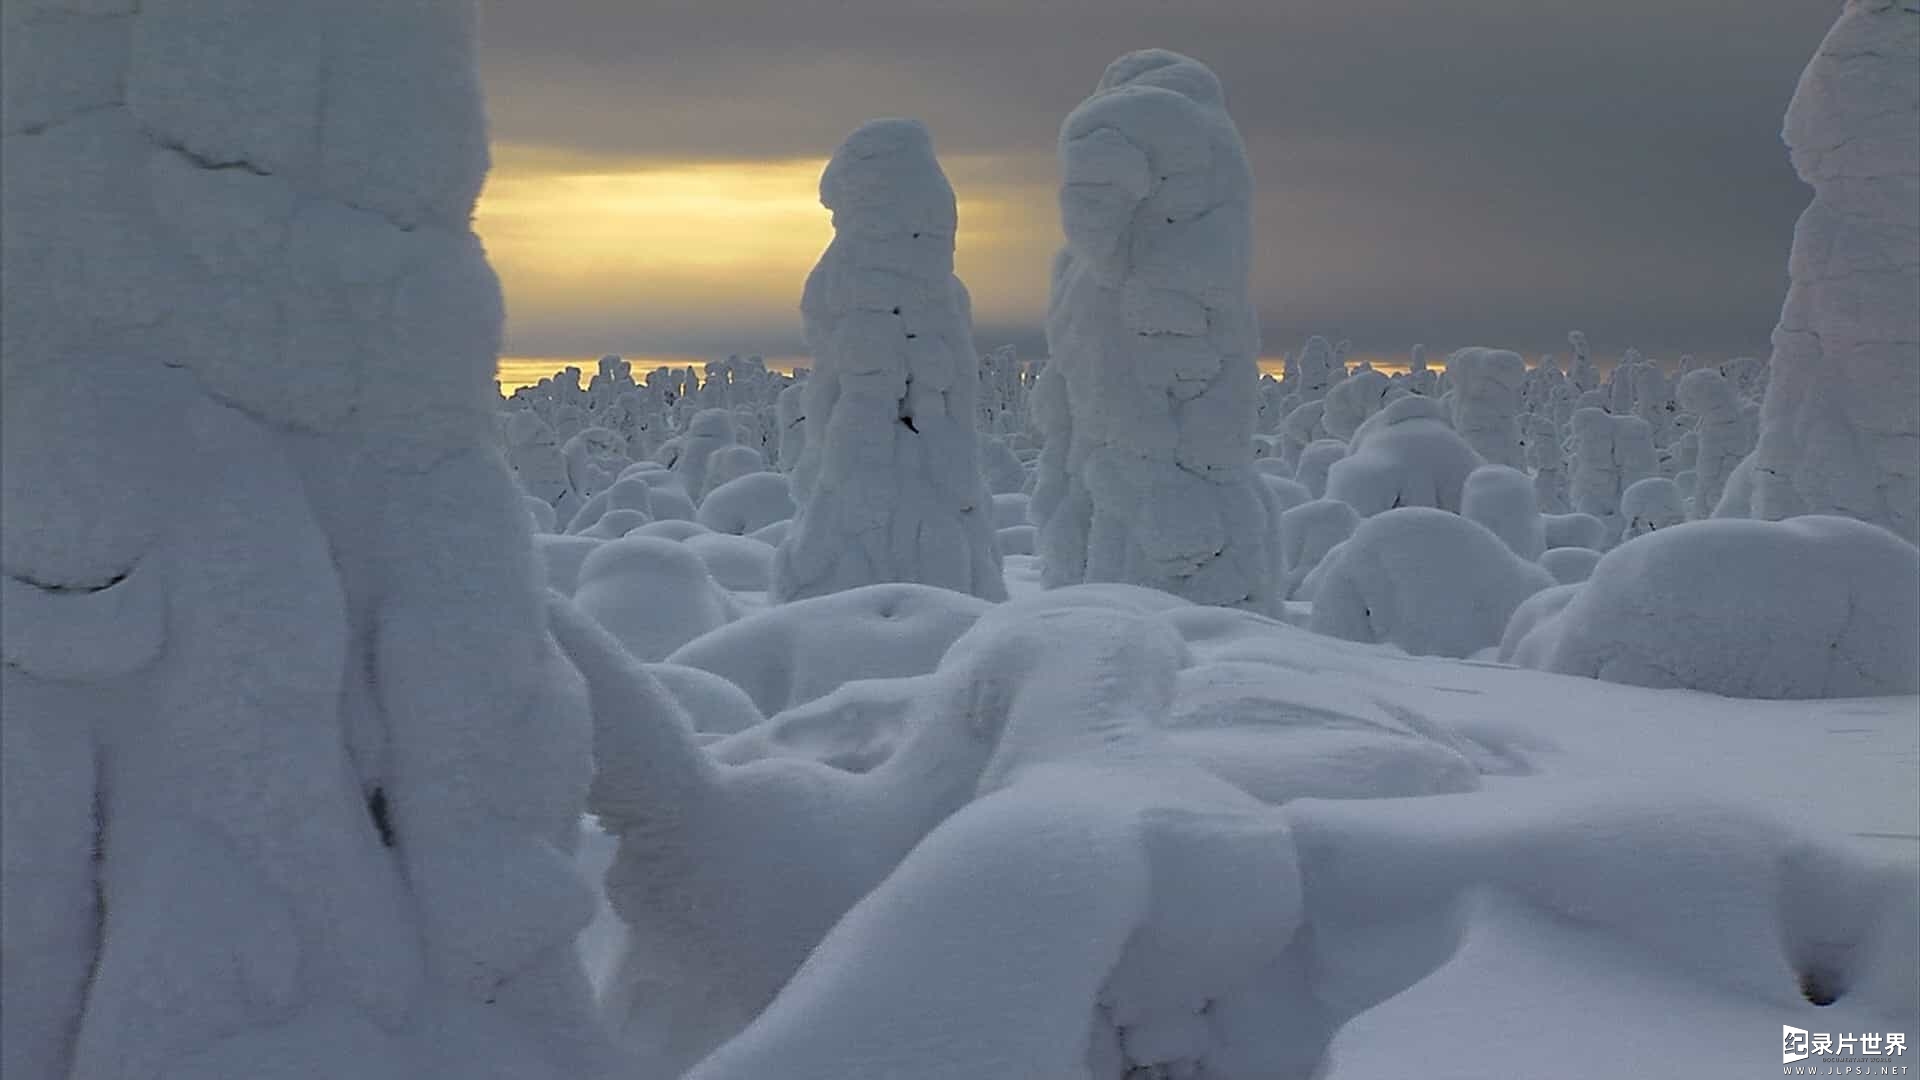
(1719, 432)
(1307, 533)
(1316, 461)
(1315, 370)
(790, 414)
(1842, 417)
(1583, 374)
(1619, 386)
(1303, 426)
(1814, 607)
(1355, 398)
(291, 768)
(1431, 582)
(1147, 476)
(1501, 499)
(1547, 458)
(535, 458)
(1272, 394)
(1653, 402)
(730, 463)
(1404, 455)
(1486, 401)
(1421, 379)
(1002, 405)
(1650, 503)
(707, 432)
(889, 485)
(1536, 388)
(1609, 453)
(594, 459)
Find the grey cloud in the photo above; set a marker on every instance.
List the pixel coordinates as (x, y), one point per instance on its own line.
(1467, 171)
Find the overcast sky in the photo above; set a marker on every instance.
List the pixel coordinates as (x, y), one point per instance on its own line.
(1449, 171)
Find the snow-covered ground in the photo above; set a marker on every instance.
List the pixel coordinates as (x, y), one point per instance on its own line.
(1534, 994)
(1646, 789)
(1126, 717)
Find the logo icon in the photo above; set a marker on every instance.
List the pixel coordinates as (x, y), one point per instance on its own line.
(1793, 1044)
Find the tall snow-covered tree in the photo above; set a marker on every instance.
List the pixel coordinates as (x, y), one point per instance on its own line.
(1148, 474)
(1840, 429)
(888, 486)
(291, 772)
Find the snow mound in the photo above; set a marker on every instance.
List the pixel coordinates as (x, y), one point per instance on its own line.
(738, 563)
(1287, 493)
(1524, 642)
(1431, 582)
(1017, 540)
(670, 502)
(1404, 455)
(540, 513)
(1281, 735)
(1811, 607)
(1010, 510)
(796, 652)
(1308, 532)
(1179, 887)
(747, 504)
(730, 463)
(1649, 504)
(1502, 499)
(1718, 892)
(653, 595)
(710, 703)
(1315, 462)
(615, 524)
(560, 558)
(1001, 467)
(1569, 565)
(854, 727)
(727, 876)
(772, 535)
(1575, 530)
(673, 529)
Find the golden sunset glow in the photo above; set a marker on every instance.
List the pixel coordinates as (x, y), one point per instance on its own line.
(601, 254)
(518, 371)
(563, 228)
(618, 254)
